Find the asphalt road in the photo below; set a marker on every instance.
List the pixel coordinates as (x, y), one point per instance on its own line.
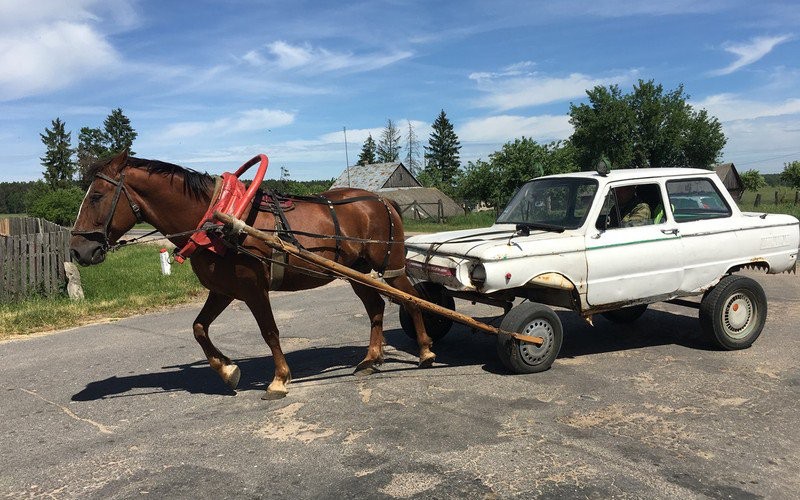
(130, 409)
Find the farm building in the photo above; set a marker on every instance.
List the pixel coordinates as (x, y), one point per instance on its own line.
(396, 182)
(730, 177)
(376, 176)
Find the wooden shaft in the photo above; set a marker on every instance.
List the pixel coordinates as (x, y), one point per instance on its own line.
(278, 244)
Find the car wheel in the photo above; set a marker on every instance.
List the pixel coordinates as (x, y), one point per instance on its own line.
(437, 326)
(626, 314)
(733, 313)
(537, 320)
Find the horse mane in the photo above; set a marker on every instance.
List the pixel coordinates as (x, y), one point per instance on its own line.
(197, 184)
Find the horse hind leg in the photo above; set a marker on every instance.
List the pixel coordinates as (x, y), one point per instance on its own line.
(426, 355)
(375, 306)
(227, 370)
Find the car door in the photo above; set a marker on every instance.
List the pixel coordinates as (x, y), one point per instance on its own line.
(633, 262)
(708, 231)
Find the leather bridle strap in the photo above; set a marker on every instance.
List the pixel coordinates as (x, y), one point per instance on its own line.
(120, 188)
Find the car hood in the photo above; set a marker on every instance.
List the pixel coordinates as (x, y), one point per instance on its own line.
(495, 242)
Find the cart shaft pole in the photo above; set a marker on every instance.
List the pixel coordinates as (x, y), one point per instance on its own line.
(278, 244)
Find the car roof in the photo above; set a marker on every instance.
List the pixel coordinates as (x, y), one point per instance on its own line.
(636, 173)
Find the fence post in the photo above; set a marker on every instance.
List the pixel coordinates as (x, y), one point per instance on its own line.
(440, 211)
(776, 197)
(796, 198)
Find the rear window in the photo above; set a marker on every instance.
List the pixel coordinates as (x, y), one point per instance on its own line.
(696, 199)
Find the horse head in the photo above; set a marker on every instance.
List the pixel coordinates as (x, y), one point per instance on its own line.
(102, 220)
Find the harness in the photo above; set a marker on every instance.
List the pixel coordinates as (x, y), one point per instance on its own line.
(230, 197)
(120, 188)
(278, 205)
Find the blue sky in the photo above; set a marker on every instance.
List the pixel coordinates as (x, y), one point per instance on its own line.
(210, 84)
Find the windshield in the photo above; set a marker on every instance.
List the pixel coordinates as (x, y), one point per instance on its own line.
(560, 202)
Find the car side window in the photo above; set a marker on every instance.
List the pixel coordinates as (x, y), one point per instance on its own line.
(632, 205)
(696, 199)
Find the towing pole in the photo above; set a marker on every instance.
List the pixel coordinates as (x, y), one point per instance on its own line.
(365, 279)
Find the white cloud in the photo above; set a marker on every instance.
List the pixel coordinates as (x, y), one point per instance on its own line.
(730, 107)
(508, 90)
(311, 59)
(244, 121)
(764, 143)
(504, 128)
(50, 57)
(750, 52)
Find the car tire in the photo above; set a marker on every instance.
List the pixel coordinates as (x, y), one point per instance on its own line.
(733, 313)
(437, 326)
(626, 314)
(538, 320)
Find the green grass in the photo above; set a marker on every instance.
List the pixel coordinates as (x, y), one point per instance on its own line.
(785, 203)
(129, 282)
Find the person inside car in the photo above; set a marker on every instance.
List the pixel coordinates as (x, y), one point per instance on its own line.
(629, 209)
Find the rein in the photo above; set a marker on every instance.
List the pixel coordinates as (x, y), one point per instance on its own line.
(103, 232)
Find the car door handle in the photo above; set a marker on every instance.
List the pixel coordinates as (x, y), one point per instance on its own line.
(674, 230)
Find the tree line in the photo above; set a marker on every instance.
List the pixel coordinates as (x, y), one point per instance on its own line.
(647, 127)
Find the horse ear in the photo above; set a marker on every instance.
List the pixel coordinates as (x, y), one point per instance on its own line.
(118, 162)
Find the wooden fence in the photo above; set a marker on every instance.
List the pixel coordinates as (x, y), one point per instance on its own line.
(420, 211)
(32, 256)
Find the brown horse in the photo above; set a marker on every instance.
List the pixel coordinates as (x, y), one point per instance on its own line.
(174, 199)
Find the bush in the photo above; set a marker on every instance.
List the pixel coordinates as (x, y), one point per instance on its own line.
(59, 205)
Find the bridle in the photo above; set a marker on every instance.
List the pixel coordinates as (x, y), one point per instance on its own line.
(120, 188)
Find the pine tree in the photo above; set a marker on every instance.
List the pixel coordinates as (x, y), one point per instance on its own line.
(389, 145)
(119, 133)
(412, 151)
(441, 154)
(91, 147)
(57, 160)
(368, 150)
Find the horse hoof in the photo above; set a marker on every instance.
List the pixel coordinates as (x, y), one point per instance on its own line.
(273, 395)
(427, 361)
(231, 375)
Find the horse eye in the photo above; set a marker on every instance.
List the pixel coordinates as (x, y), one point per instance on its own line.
(95, 197)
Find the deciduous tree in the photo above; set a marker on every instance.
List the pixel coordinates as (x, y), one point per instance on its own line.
(791, 174)
(752, 180)
(647, 128)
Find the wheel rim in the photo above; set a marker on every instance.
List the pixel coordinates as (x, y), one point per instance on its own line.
(738, 315)
(532, 354)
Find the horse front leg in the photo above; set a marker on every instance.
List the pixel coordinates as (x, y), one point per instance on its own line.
(215, 304)
(262, 311)
(426, 355)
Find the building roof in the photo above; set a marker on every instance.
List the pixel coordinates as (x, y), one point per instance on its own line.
(730, 177)
(419, 202)
(371, 177)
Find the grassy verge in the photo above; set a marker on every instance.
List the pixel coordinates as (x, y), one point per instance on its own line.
(128, 283)
(785, 205)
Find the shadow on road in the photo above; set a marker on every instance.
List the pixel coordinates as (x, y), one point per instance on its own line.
(460, 347)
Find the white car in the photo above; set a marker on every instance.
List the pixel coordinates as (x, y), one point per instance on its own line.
(558, 243)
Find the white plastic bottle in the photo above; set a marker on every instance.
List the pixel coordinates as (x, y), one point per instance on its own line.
(166, 269)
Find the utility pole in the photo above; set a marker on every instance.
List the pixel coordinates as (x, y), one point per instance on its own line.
(346, 156)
